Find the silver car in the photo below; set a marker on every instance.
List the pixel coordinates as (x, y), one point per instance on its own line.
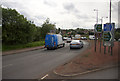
(76, 44)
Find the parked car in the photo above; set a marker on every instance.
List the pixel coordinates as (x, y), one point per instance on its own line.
(76, 44)
(69, 40)
(53, 41)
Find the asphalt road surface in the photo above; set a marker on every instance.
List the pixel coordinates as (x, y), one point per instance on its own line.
(35, 64)
(110, 73)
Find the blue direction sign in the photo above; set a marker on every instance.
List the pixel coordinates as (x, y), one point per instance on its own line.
(108, 27)
(108, 34)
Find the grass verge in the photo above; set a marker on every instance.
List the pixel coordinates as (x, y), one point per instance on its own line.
(20, 46)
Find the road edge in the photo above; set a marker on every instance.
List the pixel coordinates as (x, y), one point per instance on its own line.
(85, 72)
(21, 50)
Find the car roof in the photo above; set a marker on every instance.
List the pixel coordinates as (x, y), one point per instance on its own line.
(75, 40)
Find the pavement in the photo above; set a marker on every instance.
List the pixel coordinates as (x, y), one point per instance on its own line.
(80, 66)
(86, 72)
(21, 50)
(108, 73)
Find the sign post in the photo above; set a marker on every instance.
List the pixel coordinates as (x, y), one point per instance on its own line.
(108, 36)
(98, 31)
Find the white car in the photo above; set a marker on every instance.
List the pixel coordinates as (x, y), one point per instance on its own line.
(76, 44)
(119, 40)
(69, 40)
(91, 37)
(64, 38)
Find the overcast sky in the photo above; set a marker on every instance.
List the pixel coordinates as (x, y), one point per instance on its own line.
(65, 13)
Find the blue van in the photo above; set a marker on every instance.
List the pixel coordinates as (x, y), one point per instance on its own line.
(53, 41)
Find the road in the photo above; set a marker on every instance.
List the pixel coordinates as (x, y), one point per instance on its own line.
(109, 73)
(35, 64)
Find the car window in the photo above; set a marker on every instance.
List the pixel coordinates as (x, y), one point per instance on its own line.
(75, 40)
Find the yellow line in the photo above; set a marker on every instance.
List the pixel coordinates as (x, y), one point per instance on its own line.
(44, 76)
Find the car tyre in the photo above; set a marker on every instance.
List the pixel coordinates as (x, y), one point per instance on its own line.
(48, 48)
(63, 44)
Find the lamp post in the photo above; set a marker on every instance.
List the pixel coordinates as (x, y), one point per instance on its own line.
(96, 24)
(110, 23)
(96, 16)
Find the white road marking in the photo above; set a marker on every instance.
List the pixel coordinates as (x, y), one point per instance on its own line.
(44, 77)
(7, 65)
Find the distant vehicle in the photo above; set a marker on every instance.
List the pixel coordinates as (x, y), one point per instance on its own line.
(91, 37)
(114, 39)
(83, 38)
(69, 40)
(119, 40)
(53, 41)
(77, 36)
(64, 38)
(73, 37)
(76, 44)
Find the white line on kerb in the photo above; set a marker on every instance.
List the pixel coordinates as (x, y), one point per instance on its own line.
(7, 65)
(44, 76)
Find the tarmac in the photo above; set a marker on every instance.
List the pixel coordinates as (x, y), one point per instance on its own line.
(41, 47)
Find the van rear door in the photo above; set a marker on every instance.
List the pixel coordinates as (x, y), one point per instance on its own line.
(49, 41)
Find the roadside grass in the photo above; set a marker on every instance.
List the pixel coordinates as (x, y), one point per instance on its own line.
(20, 46)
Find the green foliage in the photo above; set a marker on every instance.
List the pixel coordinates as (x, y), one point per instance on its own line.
(46, 27)
(117, 35)
(38, 34)
(16, 29)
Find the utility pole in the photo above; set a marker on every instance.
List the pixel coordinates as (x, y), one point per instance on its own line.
(101, 35)
(110, 23)
(96, 24)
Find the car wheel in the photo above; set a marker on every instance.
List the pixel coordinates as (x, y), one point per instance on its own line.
(82, 46)
(63, 45)
(48, 48)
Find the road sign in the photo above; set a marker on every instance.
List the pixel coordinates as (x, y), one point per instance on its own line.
(108, 27)
(98, 28)
(107, 36)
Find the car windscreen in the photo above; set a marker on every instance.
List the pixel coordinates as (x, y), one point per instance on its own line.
(75, 41)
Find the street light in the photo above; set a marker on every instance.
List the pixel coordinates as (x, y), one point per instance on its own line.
(102, 19)
(96, 16)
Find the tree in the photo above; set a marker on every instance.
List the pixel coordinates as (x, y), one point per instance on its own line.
(16, 29)
(46, 27)
(38, 35)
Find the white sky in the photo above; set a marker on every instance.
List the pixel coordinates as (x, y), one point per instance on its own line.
(65, 13)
